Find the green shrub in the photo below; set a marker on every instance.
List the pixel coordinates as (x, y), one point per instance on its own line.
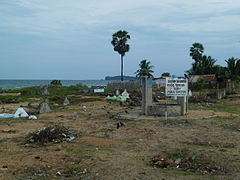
(56, 83)
(198, 85)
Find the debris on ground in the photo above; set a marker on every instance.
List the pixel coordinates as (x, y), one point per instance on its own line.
(212, 144)
(10, 131)
(120, 124)
(32, 117)
(4, 167)
(54, 134)
(194, 163)
(134, 100)
(58, 173)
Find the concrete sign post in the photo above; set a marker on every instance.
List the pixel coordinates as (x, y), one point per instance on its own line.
(146, 84)
(178, 87)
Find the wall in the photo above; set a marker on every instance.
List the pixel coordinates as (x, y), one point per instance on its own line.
(124, 85)
(160, 109)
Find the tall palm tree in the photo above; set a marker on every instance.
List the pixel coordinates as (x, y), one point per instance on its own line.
(119, 42)
(196, 51)
(145, 69)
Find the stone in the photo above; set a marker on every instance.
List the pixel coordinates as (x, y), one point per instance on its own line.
(66, 101)
(32, 117)
(117, 92)
(44, 108)
(178, 161)
(58, 173)
(45, 91)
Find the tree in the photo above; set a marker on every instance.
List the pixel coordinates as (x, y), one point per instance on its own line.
(56, 83)
(196, 51)
(204, 66)
(166, 74)
(119, 42)
(145, 69)
(220, 72)
(233, 68)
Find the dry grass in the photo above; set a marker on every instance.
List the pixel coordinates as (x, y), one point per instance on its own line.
(208, 137)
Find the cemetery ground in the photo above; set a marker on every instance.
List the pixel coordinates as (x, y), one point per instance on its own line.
(203, 145)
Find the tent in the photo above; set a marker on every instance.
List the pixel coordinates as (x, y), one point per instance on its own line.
(20, 113)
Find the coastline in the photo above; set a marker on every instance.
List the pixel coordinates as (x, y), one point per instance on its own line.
(13, 84)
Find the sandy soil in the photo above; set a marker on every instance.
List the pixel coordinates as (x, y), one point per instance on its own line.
(106, 152)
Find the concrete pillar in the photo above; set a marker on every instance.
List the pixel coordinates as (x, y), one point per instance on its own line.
(183, 102)
(146, 84)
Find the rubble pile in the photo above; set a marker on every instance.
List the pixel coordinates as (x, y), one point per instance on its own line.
(54, 134)
(134, 100)
(191, 163)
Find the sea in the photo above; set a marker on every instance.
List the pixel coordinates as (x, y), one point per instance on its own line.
(12, 84)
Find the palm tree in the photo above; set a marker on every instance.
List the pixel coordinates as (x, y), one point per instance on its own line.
(119, 42)
(145, 69)
(205, 66)
(196, 51)
(233, 68)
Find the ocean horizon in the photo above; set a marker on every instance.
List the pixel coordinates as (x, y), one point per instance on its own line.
(20, 83)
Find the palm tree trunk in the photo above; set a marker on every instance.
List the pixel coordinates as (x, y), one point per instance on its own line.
(121, 68)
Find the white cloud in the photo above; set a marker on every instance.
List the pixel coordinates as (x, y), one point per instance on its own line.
(58, 17)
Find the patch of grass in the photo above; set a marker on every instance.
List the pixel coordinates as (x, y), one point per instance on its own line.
(36, 92)
(225, 118)
(230, 108)
(221, 106)
(81, 150)
(231, 127)
(9, 152)
(211, 144)
(73, 171)
(186, 160)
(179, 172)
(184, 122)
(9, 99)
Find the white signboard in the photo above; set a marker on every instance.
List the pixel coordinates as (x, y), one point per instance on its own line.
(176, 87)
(98, 90)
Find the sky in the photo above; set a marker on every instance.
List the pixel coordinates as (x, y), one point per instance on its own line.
(71, 39)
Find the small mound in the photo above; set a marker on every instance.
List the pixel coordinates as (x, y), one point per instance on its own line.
(187, 162)
(51, 134)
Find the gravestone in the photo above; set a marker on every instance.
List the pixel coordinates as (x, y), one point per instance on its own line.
(221, 94)
(66, 101)
(117, 92)
(44, 107)
(125, 94)
(45, 91)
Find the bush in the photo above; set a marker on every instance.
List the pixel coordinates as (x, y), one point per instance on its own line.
(198, 85)
(56, 83)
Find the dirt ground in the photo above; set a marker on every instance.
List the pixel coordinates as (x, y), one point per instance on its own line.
(203, 145)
